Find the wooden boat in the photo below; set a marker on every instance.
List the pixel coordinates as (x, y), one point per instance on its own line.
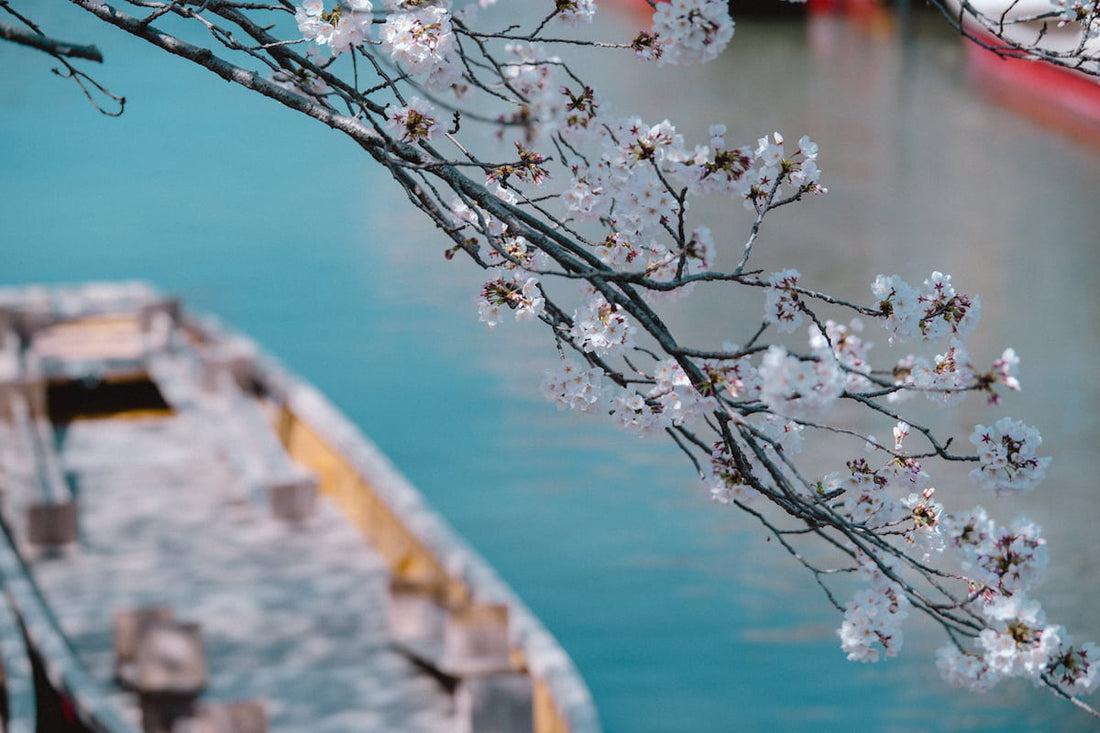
(194, 539)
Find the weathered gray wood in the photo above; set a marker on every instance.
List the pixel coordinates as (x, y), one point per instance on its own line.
(129, 626)
(51, 524)
(244, 435)
(10, 364)
(415, 615)
(170, 659)
(467, 641)
(293, 499)
(475, 641)
(171, 673)
(158, 323)
(501, 703)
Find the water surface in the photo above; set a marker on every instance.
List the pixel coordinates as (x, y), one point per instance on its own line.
(679, 615)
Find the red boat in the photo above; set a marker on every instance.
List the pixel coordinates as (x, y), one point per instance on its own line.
(1050, 94)
(1053, 95)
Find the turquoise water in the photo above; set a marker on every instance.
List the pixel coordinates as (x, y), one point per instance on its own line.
(679, 615)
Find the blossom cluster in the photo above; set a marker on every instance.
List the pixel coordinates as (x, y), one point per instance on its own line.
(1006, 452)
(514, 283)
(513, 290)
(782, 306)
(344, 27)
(413, 121)
(947, 377)
(417, 35)
(1007, 559)
(422, 43)
(800, 387)
(1019, 643)
(926, 514)
(601, 327)
(670, 400)
(866, 491)
(931, 314)
(574, 386)
(635, 189)
(849, 349)
(1083, 12)
(873, 618)
(939, 313)
(572, 12)
(692, 31)
(777, 168)
(1004, 563)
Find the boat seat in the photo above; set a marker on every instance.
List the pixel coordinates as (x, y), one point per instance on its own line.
(502, 703)
(162, 660)
(468, 648)
(461, 641)
(129, 626)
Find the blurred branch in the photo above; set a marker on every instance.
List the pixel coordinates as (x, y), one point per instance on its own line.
(52, 46)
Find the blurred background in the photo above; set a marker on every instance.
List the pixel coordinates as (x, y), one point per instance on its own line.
(677, 612)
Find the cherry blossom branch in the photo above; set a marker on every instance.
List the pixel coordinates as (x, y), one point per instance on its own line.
(590, 243)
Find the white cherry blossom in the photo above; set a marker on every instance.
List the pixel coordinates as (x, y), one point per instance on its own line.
(692, 31)
(800, 387)
(1019, 642)
(964, 669)
(1006, 452)
(574, 386)
(573, 12)
(782, 306)
(414, 121)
